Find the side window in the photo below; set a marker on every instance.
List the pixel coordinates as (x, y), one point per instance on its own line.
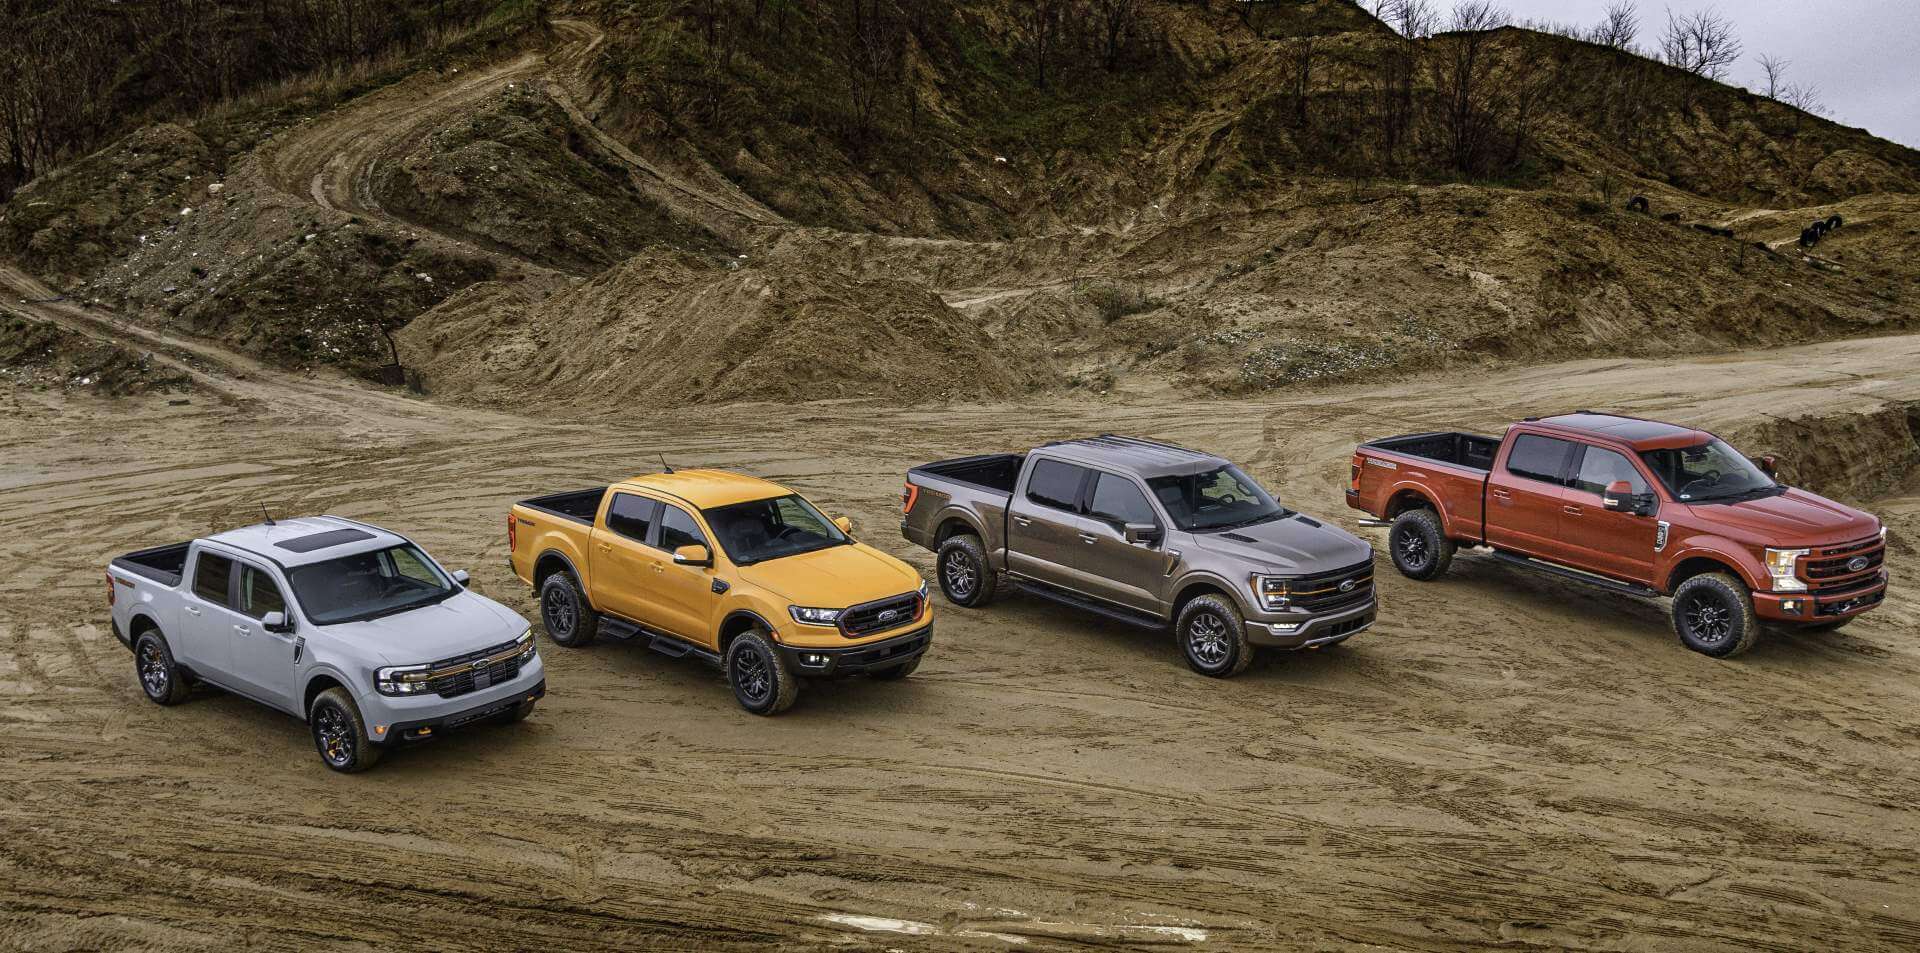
(259, 594)
(210, 574)
(678, 529)
(631, 516)
(1600, 468)
(1539, 458)
(1117, 500)
(1056, 484)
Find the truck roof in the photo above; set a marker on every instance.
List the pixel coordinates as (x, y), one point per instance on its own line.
(1147, 458)
(1631, 431)
(709, 488)
(306, 539)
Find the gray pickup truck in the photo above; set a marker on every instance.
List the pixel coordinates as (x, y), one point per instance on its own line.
(1145, 533)
(348, 626)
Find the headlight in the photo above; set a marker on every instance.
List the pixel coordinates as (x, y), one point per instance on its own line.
(1780, 565)
(401, 680)
(808, 616)
(1273, 592)
(527, 651)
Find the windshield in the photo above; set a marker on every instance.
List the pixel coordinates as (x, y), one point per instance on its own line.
(369, 585)
(1216, 499)
(769, 529)
(1707, 471)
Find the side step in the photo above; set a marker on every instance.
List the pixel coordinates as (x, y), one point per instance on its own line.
(1077, 601)
(1554, 569)
(622, 630)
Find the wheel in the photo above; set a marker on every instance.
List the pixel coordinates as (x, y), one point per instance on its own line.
(340, 734)
(1713, 615)
(965, 577)
(1213, 637)
(570, 621)
(1420, 548)
(897, 672)
(160, 677)
(1827, 626)
(761, 681)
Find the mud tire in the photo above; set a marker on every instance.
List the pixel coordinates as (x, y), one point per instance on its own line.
(1213, 637)
(565, 614)
(1419, 546)
(161, 679)
(759, 677)
(1713, 615)
(966, 578)
(340, 733)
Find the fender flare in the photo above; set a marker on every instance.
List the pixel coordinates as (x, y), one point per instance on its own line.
(743, 612)
(561, 554)
(1720, 550)
(1424, 492)
(326, 669)
(1195, 576)
(952, 512)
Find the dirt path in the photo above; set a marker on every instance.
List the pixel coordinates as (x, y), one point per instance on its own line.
(1505, 761)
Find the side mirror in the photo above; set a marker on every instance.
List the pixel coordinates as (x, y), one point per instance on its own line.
(695, 555)
(1618, 497)
(1141, 534)
(460, 578)
(276, 622)
(1769, 465)
(846, 525)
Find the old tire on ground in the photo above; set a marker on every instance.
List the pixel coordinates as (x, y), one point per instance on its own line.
(897, 672)
(966, 579)
(1419, 546)
(1213, 637)
(1713, 615)
(160, 677)
(569, 620)
(761, 681)
(340, 734)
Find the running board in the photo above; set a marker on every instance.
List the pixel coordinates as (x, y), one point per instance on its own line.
(614, 627)
(1554, 569)
(1077, 601)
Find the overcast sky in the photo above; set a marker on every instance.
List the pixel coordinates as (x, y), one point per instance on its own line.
(1864, 55)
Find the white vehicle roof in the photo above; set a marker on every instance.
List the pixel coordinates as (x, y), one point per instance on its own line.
(307, 539)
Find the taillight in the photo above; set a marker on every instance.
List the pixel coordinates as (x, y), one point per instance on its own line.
(513, 533)
(1353, 482)
(908, 495)
(110, 593)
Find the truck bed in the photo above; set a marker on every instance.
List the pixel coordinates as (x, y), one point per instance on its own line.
(998, 472)
(580, 506)
(1473, 451)
(162, 564)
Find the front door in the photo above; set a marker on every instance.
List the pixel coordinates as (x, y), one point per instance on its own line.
(626, 567)
(1127, 573)
(262, 661)
(1607, 541)
(205, 642)
(1045, 522)
(1526, 496)
(683, 595)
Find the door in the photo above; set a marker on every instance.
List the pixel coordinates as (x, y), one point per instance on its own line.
(683, 595)
(625, 567)
(1127, 573)
(1044, 523)
(205, 642)
(1525, 496)
(262, 661)
(1606, 541)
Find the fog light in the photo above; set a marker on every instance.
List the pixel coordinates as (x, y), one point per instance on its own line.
(813, 659)
(1791, 605)
(379, 729)
(1282, 628)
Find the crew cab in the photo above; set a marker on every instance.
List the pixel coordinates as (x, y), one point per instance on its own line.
(1145, 533)
(1636, 506)
(350, 627)
(731, 569)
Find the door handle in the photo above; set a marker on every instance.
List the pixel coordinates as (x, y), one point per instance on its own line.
(193, 610)
(1571, 510)
(1022, 521)
(606, 547)
(243, 630)
(1501, 495)
(1089, 538)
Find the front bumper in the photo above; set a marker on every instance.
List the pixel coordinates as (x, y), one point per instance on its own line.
(431, 728)
(399, 718)
(1316, 631)
(1820, 606)
(857, 659)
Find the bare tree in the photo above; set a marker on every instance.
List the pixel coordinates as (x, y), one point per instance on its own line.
(1619, 27)
(1115, 19)
(1702, 43)
(1776, 72)
(1805, 98)
(1462, 67)
(1045, 24)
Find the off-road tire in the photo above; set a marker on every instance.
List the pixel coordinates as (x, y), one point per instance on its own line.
(340, 734)
(565, 614)
(897, 672)
(1419, 545)
(161, 679)
(1713, 615)
(759, 677)
(1213, 637)
(966, 579)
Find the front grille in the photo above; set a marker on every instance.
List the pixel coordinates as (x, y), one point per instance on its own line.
(451, 678)
(1830, 568)
(880, 615)
(1322, 592)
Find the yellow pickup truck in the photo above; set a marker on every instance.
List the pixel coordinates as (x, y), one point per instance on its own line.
(737, 571)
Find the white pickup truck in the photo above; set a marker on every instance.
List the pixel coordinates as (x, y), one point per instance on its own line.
(348, 626)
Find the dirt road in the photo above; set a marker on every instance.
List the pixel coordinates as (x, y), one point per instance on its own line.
(1504, 760)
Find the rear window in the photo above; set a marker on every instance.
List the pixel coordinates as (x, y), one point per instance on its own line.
(1056, 484)
(1539, 458)
(210, 574)
(631, 516)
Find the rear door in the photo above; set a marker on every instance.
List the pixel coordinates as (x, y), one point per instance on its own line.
(1127, 573)
(1526, 494)
(262, 660)
(1045, 522)
(625, 566)
(205, 641)
(1605, 541)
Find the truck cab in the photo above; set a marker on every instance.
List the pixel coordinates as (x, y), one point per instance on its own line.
(739, 572)
(1639, 506)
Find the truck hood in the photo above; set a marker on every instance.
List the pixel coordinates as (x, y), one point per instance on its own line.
(465, 623)
(834, 578)
(1795, 518)
(1290, 545)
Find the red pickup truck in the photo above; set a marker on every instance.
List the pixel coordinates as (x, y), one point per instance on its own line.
(1637, 506)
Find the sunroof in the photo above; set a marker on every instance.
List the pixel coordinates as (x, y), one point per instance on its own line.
(332, 537)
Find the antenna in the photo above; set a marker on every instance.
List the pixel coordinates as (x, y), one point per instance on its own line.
(269, 516)
(664, 465)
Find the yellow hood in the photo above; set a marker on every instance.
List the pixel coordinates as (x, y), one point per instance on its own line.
(835, 577)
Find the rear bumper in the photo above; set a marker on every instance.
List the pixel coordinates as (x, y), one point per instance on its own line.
(1317, 631)
(858, 659)
(1820, 607)
(426, 729)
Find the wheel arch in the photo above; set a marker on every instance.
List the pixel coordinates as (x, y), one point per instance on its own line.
(1700, 561)
(549, 562)
(142, 622)
(1199, 584)
(953, 521)
(741, 620)
(318, 682)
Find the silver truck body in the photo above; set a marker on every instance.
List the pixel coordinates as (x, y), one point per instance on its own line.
(206, 598)
(1091, 557)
